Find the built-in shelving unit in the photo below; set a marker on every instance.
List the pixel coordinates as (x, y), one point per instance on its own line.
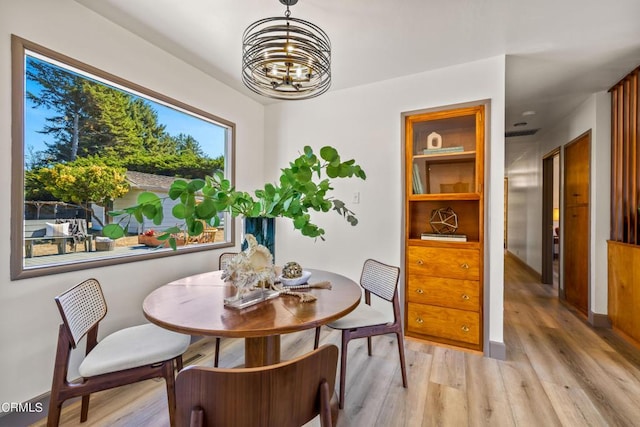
(444, 167)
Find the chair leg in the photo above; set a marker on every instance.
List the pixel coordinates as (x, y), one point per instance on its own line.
(343, 366)
(197, 417)
(369, 345)
(59, 382)
(55, 407)
(179, 364)
(325, 405)
(316, 342)
(217, 356)
(84, 411)
(403, 366)
(171, 390)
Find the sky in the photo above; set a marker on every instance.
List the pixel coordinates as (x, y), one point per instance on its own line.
(210, 136)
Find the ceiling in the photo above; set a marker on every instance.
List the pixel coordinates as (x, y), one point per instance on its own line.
(558, 52)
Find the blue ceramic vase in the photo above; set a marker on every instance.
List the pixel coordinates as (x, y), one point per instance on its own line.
(264, 230)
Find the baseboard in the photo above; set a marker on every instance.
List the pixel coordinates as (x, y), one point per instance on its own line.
(497, 350)
(32, 411)
(598, 320)
(524, 265)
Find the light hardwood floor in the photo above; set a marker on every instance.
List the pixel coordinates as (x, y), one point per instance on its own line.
(558, 371)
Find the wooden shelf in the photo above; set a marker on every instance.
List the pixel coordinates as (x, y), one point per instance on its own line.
(444, 244)
(461, 155)
(443, 196)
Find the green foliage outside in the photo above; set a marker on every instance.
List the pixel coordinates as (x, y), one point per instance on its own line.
(303, 186)
(78, 183)
(98, 133)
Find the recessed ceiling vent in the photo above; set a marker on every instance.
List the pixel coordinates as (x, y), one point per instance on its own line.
(514, 133)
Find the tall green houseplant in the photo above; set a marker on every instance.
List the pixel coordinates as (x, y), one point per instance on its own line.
(303, 186)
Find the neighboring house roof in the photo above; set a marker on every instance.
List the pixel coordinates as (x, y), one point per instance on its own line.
(148, 181)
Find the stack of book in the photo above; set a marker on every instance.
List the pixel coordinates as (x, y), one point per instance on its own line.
(444, 150)
(417, 182)
(444, 237)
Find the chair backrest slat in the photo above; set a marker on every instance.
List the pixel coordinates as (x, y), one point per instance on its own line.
(286, 394)
(81, 307)
(380, 279)
(225, 258)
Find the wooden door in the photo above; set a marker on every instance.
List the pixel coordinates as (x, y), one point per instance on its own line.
(576, 223)
(576, 264)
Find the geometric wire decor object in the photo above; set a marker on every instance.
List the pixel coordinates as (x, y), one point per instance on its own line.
(286, 58)
(444, 221)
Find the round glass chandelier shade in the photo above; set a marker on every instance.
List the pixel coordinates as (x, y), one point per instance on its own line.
(286, 58)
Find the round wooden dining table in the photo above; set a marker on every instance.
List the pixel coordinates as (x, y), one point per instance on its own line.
(195, 305)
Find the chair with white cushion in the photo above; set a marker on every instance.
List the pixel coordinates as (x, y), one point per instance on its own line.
(124, 357)
(365, 321)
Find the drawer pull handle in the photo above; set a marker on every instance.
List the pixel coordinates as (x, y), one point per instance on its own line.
(419, 321)
(465, 297)
(465, 328)
(419, 262)
(419, 291)
(464, 265)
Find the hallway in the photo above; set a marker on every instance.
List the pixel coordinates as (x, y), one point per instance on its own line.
(558, 372)
(576, 375)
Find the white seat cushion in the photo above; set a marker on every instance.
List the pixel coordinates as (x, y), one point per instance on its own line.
(133, 347)
(363, 315)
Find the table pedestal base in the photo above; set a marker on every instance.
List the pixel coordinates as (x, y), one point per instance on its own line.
(261, 351)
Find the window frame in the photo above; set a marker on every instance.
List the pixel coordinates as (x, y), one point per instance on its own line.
(19, 49)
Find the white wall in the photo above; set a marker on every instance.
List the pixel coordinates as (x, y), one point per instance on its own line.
(525, 191)
(524, 234)
(28, 316)
(365, 123)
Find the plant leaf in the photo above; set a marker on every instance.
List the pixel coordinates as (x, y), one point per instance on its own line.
(113, 231)
(147, 197)
(328, 153)
(179, 211)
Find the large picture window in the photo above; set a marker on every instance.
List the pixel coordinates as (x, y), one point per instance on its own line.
(86, 143)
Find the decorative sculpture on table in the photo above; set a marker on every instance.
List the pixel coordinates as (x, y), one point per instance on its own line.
(253, 274)
(291, 270)
(250, 269)
(444, 221)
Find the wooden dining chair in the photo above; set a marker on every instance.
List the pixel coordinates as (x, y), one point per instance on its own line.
(287, 394)
(124, 357)
(225, 258)
(381, 280)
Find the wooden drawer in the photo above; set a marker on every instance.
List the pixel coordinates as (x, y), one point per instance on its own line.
(449, 323)
(444, 292)
(444, 262)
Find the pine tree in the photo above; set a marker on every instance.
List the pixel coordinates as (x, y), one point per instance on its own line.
(62, 92)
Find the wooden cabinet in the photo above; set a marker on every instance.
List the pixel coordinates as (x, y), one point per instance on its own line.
(444, 164)
(624, 289)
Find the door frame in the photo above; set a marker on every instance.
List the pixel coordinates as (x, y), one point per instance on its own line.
(505, 243)
(547, 217)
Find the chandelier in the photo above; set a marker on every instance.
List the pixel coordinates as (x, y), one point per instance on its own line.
(286, 58)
